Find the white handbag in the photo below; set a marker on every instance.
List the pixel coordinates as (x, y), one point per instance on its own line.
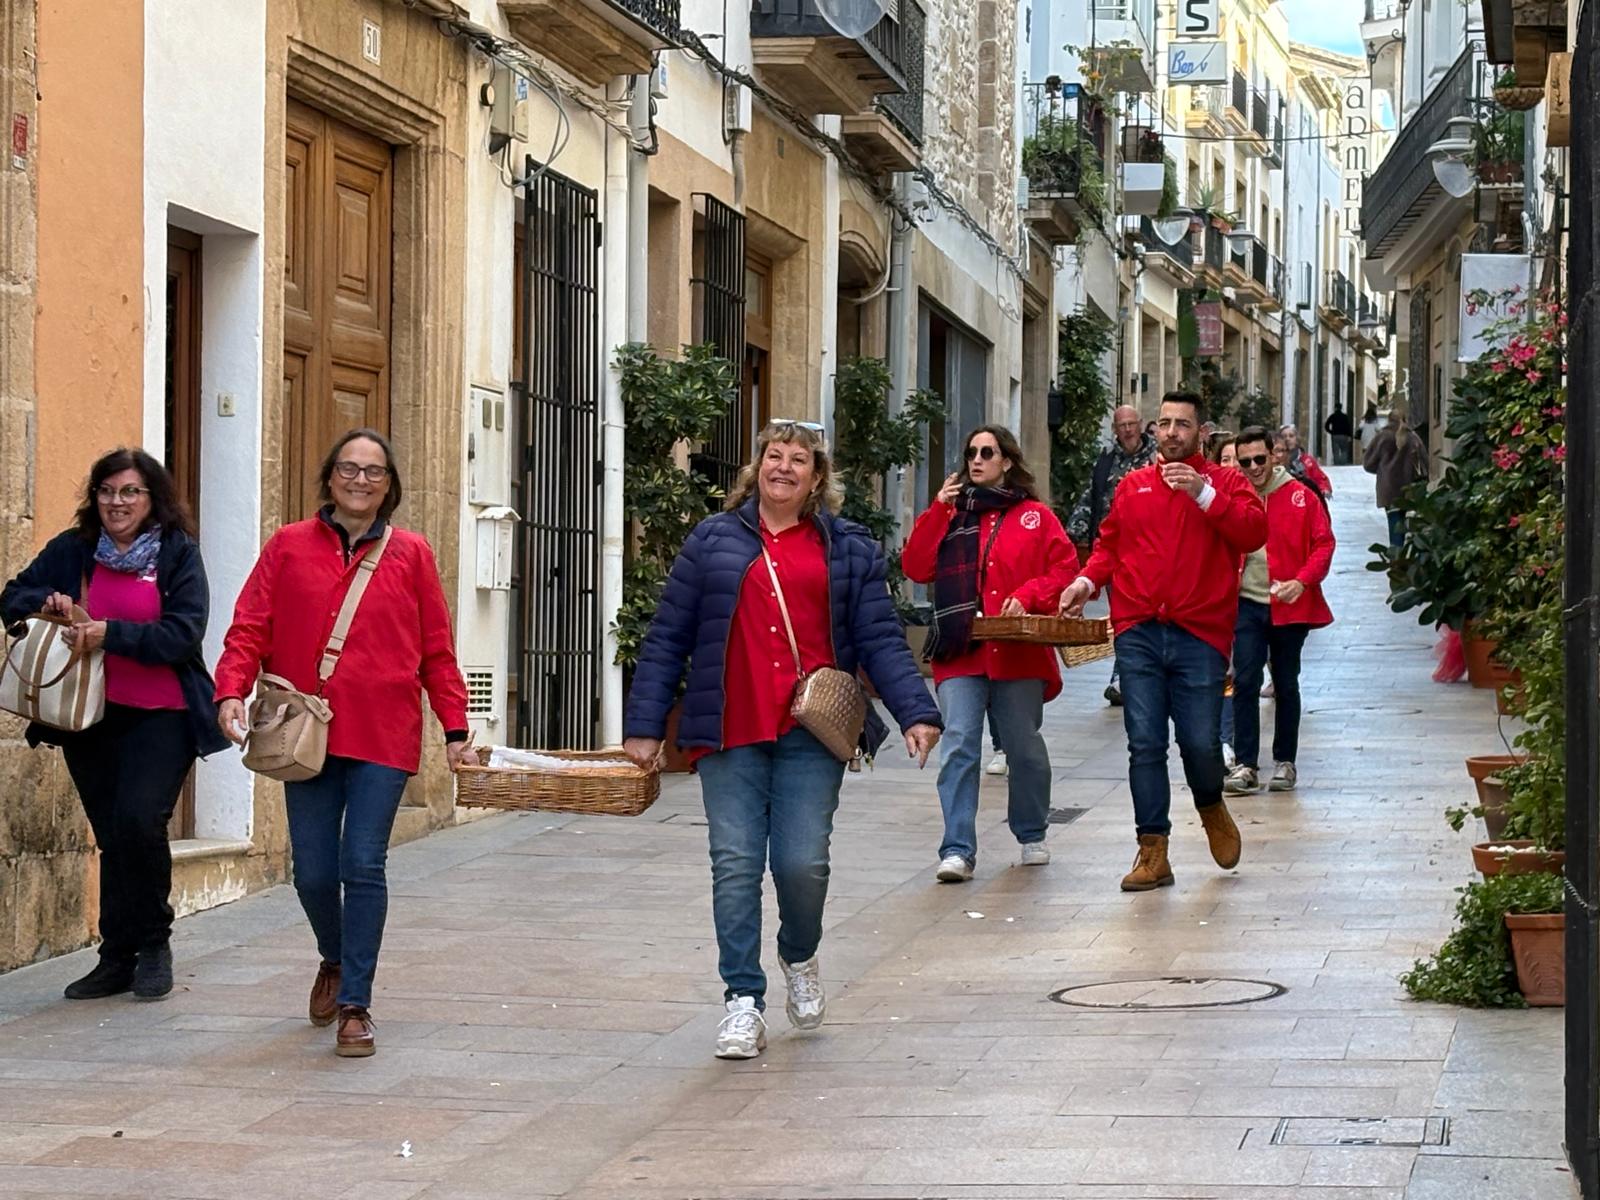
(45, 680)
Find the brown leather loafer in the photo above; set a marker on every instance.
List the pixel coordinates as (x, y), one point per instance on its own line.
(324, 1005)
(355, 1033)
(1222, 834)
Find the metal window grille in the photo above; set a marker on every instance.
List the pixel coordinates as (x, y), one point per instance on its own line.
(557, 640)
(721, 299)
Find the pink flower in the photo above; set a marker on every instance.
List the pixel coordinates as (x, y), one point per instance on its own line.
(1505, 458)
(1556, 410)
(1516, 430)
(1516, 519)
(1498, 367)
(1535, 376)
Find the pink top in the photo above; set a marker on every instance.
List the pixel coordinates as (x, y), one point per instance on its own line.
(118, 596)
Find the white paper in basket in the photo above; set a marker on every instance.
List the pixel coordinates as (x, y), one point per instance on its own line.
(531, 760)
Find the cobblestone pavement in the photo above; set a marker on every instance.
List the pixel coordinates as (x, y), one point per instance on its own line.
(548, 996)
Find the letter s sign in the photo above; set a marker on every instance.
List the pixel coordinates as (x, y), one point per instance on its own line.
(1199, 18)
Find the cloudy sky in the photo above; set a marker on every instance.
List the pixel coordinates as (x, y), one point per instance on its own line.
(1334, 24)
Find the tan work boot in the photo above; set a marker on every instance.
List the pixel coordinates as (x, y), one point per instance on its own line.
(1151, 869)
(1222, 833)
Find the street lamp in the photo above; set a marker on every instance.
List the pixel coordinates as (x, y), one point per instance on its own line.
(1239, 239)
(1368, 327)
(1449, 156)
(1171, 230)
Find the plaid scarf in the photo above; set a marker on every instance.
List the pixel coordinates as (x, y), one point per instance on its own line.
(956, 579)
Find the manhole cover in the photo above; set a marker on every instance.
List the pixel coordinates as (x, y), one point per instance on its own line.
(1355, 708)
(1065, 816)
(1170, 992)
(1362, 1131)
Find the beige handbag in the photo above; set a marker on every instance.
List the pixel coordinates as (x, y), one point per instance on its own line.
(288, 736)
(45, 680)
(828, 703)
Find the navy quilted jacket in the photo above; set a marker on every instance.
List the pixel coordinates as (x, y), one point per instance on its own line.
(696, 614)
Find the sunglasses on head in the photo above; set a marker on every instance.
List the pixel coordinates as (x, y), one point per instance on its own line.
(786, 423)
(983, 452)
(1254, 460)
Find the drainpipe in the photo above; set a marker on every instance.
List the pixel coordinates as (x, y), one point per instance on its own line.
(616, 255)
(898, 316)
(830, 277)
(639, 215)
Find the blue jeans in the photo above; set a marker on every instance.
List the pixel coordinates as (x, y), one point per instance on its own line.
(339, 825)
(1015, 708)
(1397, 527)
(1255, 640)
(1169, 674)
(1227, 715)
(773, 799)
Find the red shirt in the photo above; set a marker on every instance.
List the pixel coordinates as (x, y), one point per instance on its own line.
(1299, 546)
(400, 641)
(758, 671)
(1314, 472)
(1169, 560)
(119, 596)
(1030, 559)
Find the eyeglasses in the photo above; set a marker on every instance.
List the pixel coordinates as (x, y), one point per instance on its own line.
(108, 495)
(1255, 460)
(983, 452)
(349, 470)
(785, 423)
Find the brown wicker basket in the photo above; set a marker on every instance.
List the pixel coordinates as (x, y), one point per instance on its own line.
(1049, 631)
(1078, 656)
(609, 791)
(1518, 98)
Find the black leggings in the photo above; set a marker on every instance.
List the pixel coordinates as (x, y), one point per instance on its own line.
(129, 769)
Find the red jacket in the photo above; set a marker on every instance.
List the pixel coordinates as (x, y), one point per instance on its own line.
(1168, 560)
(399, 642)
(1031, 559)
(1299, 546)
(1315, 473)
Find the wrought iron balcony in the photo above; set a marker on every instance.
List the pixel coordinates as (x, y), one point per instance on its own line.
(1260, 116)
(1403, 187)
(1174, 256)
(1341, 307)
(596, 40)
(905, 108)
(818, 69)
(1217, 255)
(1237, 112)
(1063, 156)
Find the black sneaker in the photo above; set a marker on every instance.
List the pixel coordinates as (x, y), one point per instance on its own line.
(152, 975)
(110, 977)
(1113, 695)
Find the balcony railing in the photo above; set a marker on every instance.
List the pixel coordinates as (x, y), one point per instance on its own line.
(905, 108)
(1260, 116)
(1240, 97)
(660, 15)
(1261, 265)
(1180, 252)
(1343, 297)
(1216, 249)
(884, 45)
(1063, 148)
(1397, 192)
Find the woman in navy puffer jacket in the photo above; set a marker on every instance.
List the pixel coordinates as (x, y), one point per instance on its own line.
(777, 558)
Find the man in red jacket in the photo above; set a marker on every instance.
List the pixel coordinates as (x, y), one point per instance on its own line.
(1280, 602)
(1170, 547)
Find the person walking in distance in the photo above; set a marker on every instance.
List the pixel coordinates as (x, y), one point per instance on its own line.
(1280, 603)
(774, 585)
(1170, 549)
(991, 547)
(1398, 458)
(1130, 449)
(1369, 428)
(1338, 427)
(399, 646)
(1301, 464)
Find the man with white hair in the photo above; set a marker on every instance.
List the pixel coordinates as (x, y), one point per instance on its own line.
(1130, 449)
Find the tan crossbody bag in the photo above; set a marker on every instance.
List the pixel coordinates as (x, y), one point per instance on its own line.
(828, 703)
(288, 737)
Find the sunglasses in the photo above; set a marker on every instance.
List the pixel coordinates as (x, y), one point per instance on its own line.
(983, 452)
(1255, 460)
(785, 423)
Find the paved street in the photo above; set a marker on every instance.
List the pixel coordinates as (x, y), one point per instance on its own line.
(548, 996)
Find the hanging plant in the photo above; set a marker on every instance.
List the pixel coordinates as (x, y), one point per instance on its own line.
(1169, 188)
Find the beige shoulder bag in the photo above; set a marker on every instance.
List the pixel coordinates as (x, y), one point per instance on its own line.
(828, 703)
(45, 680)
(288, 738)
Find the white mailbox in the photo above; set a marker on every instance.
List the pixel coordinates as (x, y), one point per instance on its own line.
(497, 531)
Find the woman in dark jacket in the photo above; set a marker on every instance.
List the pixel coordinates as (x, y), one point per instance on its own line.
(770, 788)
(133, 548)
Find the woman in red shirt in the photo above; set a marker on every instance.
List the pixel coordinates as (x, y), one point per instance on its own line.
(991, 547)
(399, 644)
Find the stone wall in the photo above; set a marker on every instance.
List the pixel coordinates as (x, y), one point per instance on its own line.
(971, 142)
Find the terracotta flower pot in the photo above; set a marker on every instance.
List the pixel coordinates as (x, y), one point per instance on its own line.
(1523, 859)
(1483, 669)
(1538, 947)
(1481, 766)
(1495, 799)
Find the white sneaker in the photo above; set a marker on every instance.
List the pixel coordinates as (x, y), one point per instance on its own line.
(1229, 762)
(954, 869)
(743, 1032)
(1241, 781)
(1035, 854)
(1284, 777)
(806, 1002)
(997, 764)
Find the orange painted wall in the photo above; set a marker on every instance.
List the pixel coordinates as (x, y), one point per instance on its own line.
(89, 338)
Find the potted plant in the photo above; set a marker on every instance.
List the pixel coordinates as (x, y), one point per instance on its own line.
(871, 443)
(1475, 965)
(666, 402)
(1508, 93)
(1498, 146)
(1538, 930)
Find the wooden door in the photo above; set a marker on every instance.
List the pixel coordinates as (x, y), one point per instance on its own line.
(182, 396)
(337, 272)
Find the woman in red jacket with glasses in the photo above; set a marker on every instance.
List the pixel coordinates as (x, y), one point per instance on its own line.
(990, 547)
(399, 645)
